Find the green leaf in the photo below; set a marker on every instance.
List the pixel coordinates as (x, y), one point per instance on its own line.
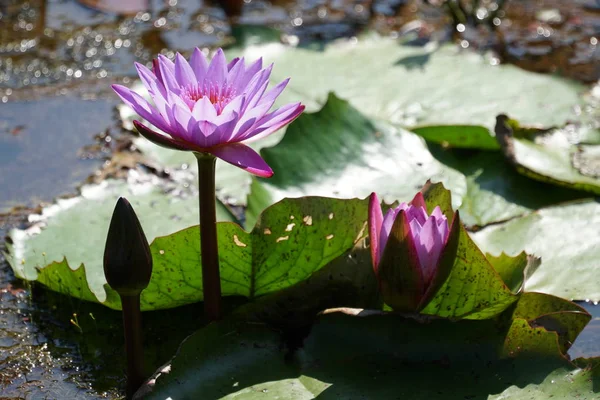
(563, 236)
(447, 86)
(551, 158)
(369, 354)
(514, 270)
(495, 192)
(474, 290)
(436, 195)
(553, 314)
(563, 383)
(292, 240)
(550, 155)
(458, 136)
(350, 155)
(72, 232)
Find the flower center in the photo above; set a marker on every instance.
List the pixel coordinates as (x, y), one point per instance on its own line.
(218, 95)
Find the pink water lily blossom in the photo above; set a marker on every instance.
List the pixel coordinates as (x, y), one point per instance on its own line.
(420, 239)
(214, 108)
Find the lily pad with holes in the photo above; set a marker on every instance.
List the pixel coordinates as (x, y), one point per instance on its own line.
(70, 234)
(292, 240)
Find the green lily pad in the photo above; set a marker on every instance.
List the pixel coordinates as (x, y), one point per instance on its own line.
(339, 152)
(447, 86)
(552, 313)
(564, 237)
(474, 290)
(495, 192)
(550, 155)
(514, 270)
(352, 155)
(293, 240)
(458, 136)
(559, 163)
(379, 77)
(369, 355)
(72, 232)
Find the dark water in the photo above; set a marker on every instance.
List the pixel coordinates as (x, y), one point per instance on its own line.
(58, 127)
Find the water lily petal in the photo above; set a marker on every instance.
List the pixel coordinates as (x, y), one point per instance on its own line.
(375, 222)
(226, 126)
(159, 139)
(234, 106)
(386, 228)
(429, 246)
(243, 157)
(437, 212)
(272, 94)
(167, 70)
(247, 76)
(274, 121)
(142, 107)
(183, 72)
(207, 128)
(233, 63)
(247, 121)
(155, 88)
(150, 81)
(235, 72)
(417, 213)
(182, 117)
(419, 201)
(257, 86)
(156, 70)
(217, 70)
(199, 64)
(204, 110)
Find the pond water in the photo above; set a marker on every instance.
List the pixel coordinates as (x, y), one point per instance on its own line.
(59, 128)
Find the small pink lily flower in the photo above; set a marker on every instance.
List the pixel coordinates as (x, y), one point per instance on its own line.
(412, 251)
(213, 108)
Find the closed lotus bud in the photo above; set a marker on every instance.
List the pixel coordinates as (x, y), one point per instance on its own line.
(412, 251)
(127, 257)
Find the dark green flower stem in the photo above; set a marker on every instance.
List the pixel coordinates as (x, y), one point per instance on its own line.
(211, 280)
(132, 323)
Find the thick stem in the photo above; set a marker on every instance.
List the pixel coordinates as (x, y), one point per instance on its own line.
(132, 324)
(211, 280)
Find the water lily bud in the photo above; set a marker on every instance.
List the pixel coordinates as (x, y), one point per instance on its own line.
(412, 251)
(127, 257)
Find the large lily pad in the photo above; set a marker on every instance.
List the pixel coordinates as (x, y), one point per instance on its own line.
(410, 85)
(339, 152)
(72, 232)
(370, 355)
(458, 136)
(400, 85)
(352, 155)
(293, 240)
(565, 237)
(495, 191)
(551, 159)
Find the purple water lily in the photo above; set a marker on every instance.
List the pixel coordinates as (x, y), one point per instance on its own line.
(407, 247)
(211, 108)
